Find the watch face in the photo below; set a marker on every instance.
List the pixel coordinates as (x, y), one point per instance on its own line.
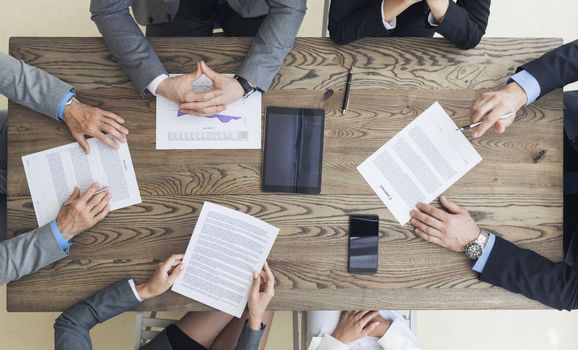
(474, 250)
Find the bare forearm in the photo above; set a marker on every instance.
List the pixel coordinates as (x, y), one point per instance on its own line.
(438, 8)
(392, 8)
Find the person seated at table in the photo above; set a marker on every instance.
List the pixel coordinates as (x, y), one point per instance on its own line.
(31, 251)
(533, 80)
(273, 23)
(337, 330)
(195, 330)
(46, 94)
(462, 23)
(499, 261)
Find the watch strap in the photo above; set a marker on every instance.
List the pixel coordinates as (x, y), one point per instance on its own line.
(248, 88)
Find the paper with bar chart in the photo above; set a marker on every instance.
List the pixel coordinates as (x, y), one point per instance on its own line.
(237, 127)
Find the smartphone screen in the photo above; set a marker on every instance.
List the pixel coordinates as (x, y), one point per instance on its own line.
(363, 243)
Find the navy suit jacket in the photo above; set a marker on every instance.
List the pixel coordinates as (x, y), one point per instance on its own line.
(464, 23)
(520, 270)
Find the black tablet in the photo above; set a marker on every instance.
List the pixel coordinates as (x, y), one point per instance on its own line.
(292, 159)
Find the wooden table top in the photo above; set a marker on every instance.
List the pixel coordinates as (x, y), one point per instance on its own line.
(395, 79)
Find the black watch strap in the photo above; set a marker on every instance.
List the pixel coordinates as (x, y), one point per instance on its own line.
(246, 85)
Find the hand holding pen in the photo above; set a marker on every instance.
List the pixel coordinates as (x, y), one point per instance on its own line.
(497, 109)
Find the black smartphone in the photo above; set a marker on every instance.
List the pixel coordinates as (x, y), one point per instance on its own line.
(363, 243)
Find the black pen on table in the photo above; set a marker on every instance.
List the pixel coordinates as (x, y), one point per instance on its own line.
(346, 96)
(469, 126)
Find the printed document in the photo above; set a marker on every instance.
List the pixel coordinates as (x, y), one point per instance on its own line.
(53, 174)
(419, 163)
(225, 249)
(237, 127)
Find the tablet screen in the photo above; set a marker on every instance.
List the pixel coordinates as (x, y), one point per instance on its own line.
(293, 155)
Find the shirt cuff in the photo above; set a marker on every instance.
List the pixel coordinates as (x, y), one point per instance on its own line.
(62, 242)
(327, 343)
(431, 20)
(388, 25)
(398, 336)
(154, 85)
(481, 263)
(70, 94)
(529, 84)
(133, 287)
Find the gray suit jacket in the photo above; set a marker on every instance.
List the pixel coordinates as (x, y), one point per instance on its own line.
(31, 87)
(27, 253)
(136, 56)
(72, 328)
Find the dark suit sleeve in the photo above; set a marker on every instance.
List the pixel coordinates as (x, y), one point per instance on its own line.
(556, 68)
(523, 271)
(349, 22)
(465, 22)
(72, 328)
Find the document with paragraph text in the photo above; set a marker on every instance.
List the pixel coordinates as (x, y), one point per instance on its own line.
(53, 174)
(225, 249)
(419, 163)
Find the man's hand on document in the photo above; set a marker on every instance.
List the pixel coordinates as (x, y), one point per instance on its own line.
(262, 291)
(84, 120)
(452, 229)
(86, 211)
(163, 278)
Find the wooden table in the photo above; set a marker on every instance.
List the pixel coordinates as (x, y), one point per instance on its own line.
(510, 192)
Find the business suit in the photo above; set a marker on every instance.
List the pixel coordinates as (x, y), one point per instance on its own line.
(464, 23)
(136, 56)
(523, 271)
(42, 92)
(72, 327)
(31, 87)
(27, 253)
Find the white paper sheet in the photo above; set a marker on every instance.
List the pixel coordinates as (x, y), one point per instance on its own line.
(53, 174)
(419, 163)
(225, 249)
(237, 127)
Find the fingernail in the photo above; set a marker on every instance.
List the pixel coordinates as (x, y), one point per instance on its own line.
(255, 275)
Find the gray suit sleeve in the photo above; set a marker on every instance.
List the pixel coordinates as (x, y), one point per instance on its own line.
(126, 41)
(31, 87)
(273, 42)
(27, 253)
(72, 327)
(249, 339)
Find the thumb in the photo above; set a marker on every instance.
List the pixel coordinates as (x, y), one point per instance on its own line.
(500, 127)
(449, 205)
(176, 272)
(256, 285)
(75, 194)
(82, 142)
(211, 74)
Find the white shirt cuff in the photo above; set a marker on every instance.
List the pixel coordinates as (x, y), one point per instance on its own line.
(399, 337)
(388, 25)
(432, 20)
(133, 287)
(154, 85)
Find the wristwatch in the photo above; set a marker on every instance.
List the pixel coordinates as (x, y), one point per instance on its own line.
(247, 86)
(475, 248)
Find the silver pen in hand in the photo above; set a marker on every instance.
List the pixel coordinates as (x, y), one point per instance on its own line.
(469, 126)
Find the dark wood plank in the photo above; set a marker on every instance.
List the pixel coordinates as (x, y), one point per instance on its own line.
(395, 80)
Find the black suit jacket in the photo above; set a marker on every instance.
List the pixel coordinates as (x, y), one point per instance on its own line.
(556, 68)
(520, 270)
(464, 24)
(523, 271)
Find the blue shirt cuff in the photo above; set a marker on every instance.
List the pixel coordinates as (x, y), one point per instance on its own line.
(70, 94)
(529, 84)
(481, 263)
(64, 244)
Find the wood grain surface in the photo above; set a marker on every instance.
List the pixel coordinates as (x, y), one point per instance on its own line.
(395, 79)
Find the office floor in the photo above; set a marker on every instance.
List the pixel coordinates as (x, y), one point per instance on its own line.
(437, 330)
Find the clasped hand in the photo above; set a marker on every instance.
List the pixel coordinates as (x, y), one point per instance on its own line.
(179, 89)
